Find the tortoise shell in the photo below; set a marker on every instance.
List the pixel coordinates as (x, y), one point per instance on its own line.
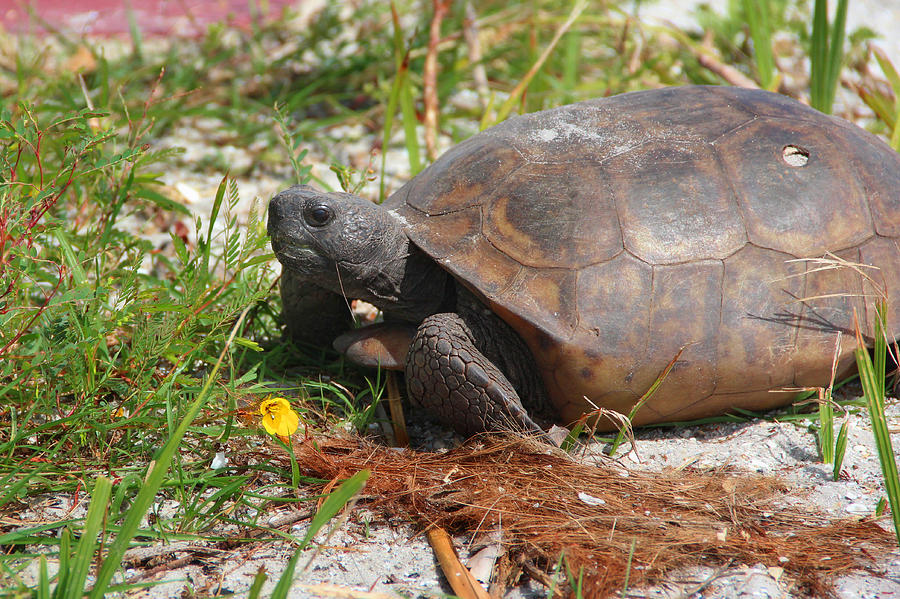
(612, 233)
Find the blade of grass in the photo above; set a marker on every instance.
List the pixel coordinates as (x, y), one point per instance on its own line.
(65, 557)
(399, 89)
(826, 408)
(887, 67)
(880, 350)
(893, 117)
(620, 437)
(283, 586)
(873, 390)
(880, 104)
(137, 40)
(628, 568)
(43, 588)
(258, 581)
(334, 503)
(817, 54)
(757, 12)
(826, 54)
(155, 478)
(577, 7)
(72, 261)
(572, 438)
(571, 63)
(217, 205)
(410, 134)
(93, 525)
(826, 426)
(835, 51)
(576, 584)
(840, 449)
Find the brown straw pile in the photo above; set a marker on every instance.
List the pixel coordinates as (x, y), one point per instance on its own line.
(547, 505)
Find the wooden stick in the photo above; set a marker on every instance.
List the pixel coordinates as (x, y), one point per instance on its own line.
(461, 580)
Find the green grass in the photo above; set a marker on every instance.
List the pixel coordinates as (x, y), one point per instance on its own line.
(872, 372)
(826, 54)
(133, 362)
(761, 34)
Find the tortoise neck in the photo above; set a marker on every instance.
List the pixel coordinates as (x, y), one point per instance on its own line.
(425, 287)
(398, 278)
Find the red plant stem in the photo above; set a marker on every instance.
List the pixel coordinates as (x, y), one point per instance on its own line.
(37, 157)
(14, 169)
(61, 269)
(46, 204)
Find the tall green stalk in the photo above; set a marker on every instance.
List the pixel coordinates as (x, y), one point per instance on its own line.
(826, 54)
(871, 376)
(757, 12)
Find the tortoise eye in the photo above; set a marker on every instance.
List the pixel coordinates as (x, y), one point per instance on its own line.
(318, 215)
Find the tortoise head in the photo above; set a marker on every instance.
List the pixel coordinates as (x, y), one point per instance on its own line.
(340, 242)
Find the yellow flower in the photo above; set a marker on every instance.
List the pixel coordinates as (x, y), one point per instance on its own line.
(278, 417)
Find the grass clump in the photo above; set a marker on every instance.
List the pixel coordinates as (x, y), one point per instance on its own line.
(90, 313)
(872, 371)
(110, 346)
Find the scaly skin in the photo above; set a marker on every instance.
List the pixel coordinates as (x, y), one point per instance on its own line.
(446, 374)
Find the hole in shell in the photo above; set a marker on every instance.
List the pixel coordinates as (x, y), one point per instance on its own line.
(795, 155)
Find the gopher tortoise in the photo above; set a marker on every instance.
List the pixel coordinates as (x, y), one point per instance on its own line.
(558, 261)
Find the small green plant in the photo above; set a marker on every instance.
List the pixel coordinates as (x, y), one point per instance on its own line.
(826, 54)
(872, 378)
(884, 102)
(832, 449)
(292, 143)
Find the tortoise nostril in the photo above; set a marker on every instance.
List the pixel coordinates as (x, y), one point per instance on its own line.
(795, 155)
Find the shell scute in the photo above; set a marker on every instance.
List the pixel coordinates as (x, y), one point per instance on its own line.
(463, 176)
(554, 216)
(802, 210)
(674, 204)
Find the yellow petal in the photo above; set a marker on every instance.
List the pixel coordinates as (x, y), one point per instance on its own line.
(290, 421)
(278, 417)
(273, 404)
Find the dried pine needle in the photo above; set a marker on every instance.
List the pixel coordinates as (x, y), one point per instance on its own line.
(551, 505)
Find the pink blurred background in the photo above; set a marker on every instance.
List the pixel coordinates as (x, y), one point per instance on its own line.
(154, 17)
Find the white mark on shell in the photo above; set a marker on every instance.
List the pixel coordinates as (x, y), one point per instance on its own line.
(400, 218)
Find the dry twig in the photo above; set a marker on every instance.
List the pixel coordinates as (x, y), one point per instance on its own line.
(429, 77)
